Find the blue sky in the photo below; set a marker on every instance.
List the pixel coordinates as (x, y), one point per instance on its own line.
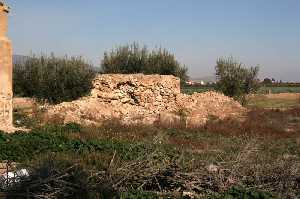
(264, 32)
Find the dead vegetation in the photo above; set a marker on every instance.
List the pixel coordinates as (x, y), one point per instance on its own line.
(274, 122)
(257, 154)
(161, 174)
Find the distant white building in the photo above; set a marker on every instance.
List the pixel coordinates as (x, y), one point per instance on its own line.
(190, 82)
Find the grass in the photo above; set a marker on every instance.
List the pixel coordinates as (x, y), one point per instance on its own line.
(254, 157)
(263, 90)
(257, 155)
(190, 90)
(263, 101)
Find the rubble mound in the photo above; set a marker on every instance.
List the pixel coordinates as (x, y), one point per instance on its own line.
(144, 99)
(201, 107)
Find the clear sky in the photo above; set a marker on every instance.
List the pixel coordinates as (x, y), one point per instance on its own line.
(264, 32)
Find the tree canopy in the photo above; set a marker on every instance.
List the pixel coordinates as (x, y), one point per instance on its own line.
(234, 79)
(132, 58)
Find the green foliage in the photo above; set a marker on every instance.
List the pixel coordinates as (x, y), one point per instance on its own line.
(237, 192)
(234, 79)
(134, 59)
(53, 79)
(22, 146)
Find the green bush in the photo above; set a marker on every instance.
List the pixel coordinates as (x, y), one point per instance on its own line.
(133, 59)
(53, 79)
(234, 79)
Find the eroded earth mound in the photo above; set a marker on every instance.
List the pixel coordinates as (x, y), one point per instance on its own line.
(144, 99)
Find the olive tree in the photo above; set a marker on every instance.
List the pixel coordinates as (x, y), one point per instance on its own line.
(236, 80)
(129, 59)
(54, 79)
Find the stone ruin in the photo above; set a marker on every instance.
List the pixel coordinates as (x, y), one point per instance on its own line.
(6, 93)
(139, 90)
(144, 99)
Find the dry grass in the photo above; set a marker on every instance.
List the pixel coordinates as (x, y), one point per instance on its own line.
(159, 173)
(261, 122)
(258, 152)
(281, 100)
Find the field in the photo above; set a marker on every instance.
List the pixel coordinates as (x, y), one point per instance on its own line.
(281, 100)
(199, 89)
(253, 157)
(283, 89)
(262, 90)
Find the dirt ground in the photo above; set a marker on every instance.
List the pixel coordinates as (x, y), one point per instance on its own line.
(280, 100)
(286, 96)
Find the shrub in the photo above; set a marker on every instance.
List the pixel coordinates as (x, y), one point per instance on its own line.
(53, 79)
(133, 59)
(234, 79)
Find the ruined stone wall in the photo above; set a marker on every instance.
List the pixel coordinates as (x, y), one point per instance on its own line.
(144, 99)
(136, 89)
(5, 72)
(130, 98)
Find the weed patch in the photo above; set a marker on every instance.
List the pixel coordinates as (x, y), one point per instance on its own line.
(251, 158)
